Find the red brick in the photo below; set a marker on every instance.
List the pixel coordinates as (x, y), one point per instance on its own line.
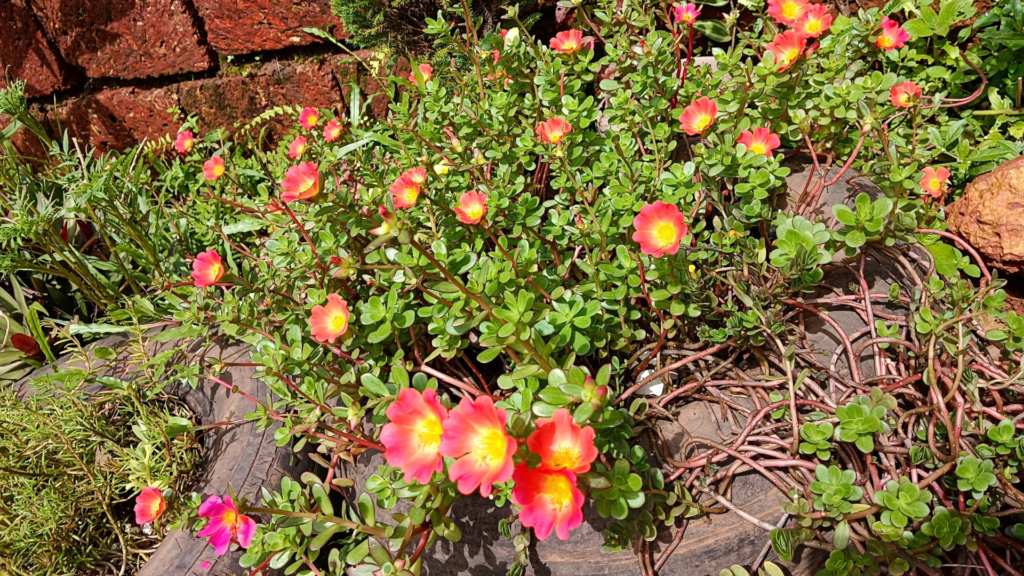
(24, 141)
(124, 38)
(26, 54)
(117, 118)
(245, 26)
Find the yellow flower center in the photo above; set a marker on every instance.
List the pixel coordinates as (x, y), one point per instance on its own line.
(790, 55)
(558, 490)
(474, 212)
(428, 434)
(935, 184)
(812, 26)
(666, 233)
(758, 148)
(214, 270)
(229, 519)
(790, 10)
(565, 457)
(218, 170)
(337, 323)
(885, 41)
(702, 122)
(411, 194)
(491, 446)
(570, 46)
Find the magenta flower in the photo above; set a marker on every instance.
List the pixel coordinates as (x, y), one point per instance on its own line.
(225, 525)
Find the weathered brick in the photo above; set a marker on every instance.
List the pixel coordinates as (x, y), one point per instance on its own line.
(26, 54)
(25, 143)
(117, 118)
(124, 38)
(246, 26)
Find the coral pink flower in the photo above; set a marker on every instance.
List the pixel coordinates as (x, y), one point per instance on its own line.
(934, 181)
(207, 269)
(225, 524)
(892, 35)
(213, 168)
(562, 444)
(552, 131)
(426, 70)
(904, 95)
(659, 229)
(297, 148)
(149, 505)
(787, 47)
(816, 22)
(301, 182)
(328, 323)
(788, 12)
(474, 433)
(687, 13)
(412, 436)
(308, 118)
(418, 175)
(549, 500)
(472, 207)
(698, 116)
(404, 192)
(184, 142)
(760, 141)
(332, 130)
(568, 42)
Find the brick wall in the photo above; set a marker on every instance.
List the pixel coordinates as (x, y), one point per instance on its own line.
(113, 72)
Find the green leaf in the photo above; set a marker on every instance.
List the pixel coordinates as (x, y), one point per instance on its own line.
(713, 29)
(917, 28)
(322, 499)
(98, 329)
(945, 259)
(374, 385)
(367, 510)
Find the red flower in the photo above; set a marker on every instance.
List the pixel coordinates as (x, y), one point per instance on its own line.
(474, 434)
(308, 118)
(472, 207)
(412, 435)
(301, 182)
(225, 524)
(904, 95)
(332, 130)
(760, 141)
(892, 35)
(687, 13)
(26, 344)
(328, 323)
(659, 228)
(562, 444)
(297, 148)
(149, 505)
(568, 42)
(426, 71)
(552, 131)
(549, 500)
(788, 12)
(207, 269)
(787, 48)
(184, 142)
(934, 181)
(698, 116)
(816, 22)
(213, 168)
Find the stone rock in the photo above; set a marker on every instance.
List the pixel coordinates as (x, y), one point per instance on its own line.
(26, 53)
(125, 38)
(245, 26)
(990, 216)
(117, 118)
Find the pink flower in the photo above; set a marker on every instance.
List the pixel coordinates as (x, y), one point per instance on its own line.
(549, 500)
(562, 444)
(406, 189)
(225, 524)
(213, 168)
(300, 182)
(412, 436)
(760, 141)
(426, 71)
(184, 142)
(904, 95)
(297, 148)
(687, 13)
(787, 47)
(787, 11)
(205, 565)
(659, 229)
(816, 22)
(308, 118)
(332, 130)
(698, 116)
(472, 207)
(892, 36)
(207, 269)
(474, 434)
(568, 42)
(149, 505)
(328, 323)
(934, 181)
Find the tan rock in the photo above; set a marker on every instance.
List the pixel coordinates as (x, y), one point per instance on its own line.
(990, 216)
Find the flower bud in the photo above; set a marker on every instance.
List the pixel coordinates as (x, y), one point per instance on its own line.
(511, 36)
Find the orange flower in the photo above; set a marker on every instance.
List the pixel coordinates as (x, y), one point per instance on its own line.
(332, 130)
(149, 505)
(549, 500)
(297, 148)
(213, 168)
(659, 228)
(474, 434)
(892, 35)
(472, 207)
(816, 22)
(904, 95)
(698, 116)
(406, 189)
(308, 118)
(760, 141)
(934, 181)
(184, 142)
(787, 48)
(301, 182)
(412, 436)
(552, 131)
(788, 12)
(207, 269)
(687, 13)
(426, 71)
(568, 42)
(562, 444)
(328, 323)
